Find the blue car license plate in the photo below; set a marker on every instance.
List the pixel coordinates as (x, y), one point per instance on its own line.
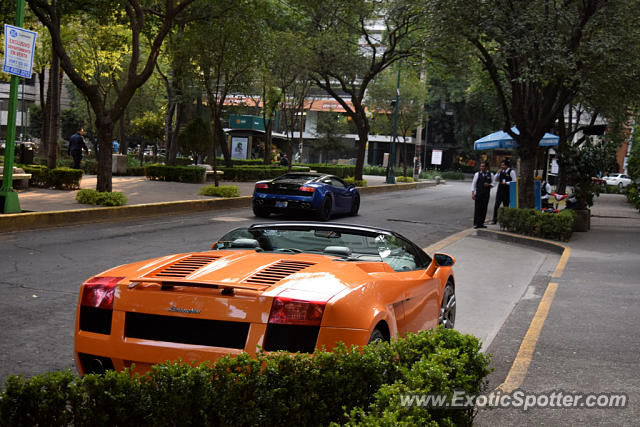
(281, 204)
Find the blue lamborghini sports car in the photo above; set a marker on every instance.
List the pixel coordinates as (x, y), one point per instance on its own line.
(319, 193)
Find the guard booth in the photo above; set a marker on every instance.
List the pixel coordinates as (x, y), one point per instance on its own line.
(514, 187)
(246, 137)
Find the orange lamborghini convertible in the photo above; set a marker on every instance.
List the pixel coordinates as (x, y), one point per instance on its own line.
(293, 286)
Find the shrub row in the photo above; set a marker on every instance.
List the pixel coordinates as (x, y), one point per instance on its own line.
(160, 172)
(266, 389)
(350, 180)
(256, 173)
(93, 197)
(220, 191)
(633, 196)
(342, 171)
(533, 222)
(404, 179)
(62, 178)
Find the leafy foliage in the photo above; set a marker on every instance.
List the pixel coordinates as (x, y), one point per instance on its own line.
(220, 191)
(533, 222)
(103, 198)
(263, 390)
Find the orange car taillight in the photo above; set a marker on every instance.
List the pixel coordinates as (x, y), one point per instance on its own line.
(296, 312)
(306, 188)
(98, 292)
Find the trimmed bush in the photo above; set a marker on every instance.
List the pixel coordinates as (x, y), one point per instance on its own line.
(533, 222)
(355, 385)
(357, 182)
(459, 176)
(257, 173)
(160, 172)
(220, 191)
(404, 179)
(135, 171)
(40, 176)
(65, 178)
(341, 171)
(93, 197)
(633, 196)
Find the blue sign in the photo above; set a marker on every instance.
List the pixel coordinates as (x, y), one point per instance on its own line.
(19, 45)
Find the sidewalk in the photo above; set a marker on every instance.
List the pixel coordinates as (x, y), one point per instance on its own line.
(588, 340)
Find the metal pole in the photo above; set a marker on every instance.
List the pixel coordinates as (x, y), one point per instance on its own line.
(391, 179)
(22, 113)
(8, 197)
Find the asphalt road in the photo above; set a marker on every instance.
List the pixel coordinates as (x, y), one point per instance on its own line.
(42, 270)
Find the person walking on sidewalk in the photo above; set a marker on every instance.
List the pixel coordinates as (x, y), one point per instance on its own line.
(503, 177)
(480, 193)
(76, 145)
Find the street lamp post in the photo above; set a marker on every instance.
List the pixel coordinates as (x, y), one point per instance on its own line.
(391, 179)
(9, 202)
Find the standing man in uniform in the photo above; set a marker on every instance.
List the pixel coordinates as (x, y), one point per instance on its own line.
(503, 177)
(76, 145)
(480, 192)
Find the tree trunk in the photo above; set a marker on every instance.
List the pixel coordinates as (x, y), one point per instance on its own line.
(54, 127)
(46, 118)
(219, 137)
(527, 165)
(363, 136)
(105, 137)
(124, 144)
(43, 150)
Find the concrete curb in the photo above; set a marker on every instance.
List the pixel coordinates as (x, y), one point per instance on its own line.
(525, 240)
(33, 220)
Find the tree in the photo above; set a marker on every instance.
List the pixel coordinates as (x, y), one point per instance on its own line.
(195, 138)
(381, 96)
(109, 97)
(540, 55)
(150, 126)
(347, 51)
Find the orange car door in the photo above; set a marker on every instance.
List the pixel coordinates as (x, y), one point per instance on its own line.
(421, 305)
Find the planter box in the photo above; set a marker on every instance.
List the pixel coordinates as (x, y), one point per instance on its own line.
(583, 220)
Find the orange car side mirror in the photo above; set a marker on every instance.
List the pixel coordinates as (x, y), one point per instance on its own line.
(440, 260)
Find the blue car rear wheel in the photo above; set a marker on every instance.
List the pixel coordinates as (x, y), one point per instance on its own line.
(325, 211)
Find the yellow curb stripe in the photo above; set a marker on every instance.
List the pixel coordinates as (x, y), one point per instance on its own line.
(520, 366)
(448, 241)
(562, 263)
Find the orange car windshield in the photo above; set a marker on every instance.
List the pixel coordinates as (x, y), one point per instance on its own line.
(312, 241)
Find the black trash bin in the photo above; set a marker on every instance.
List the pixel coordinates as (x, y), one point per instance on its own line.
(25, 152)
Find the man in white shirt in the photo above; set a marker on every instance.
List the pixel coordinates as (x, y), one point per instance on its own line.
(480, 193)
(503, 177)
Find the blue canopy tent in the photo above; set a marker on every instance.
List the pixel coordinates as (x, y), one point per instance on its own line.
(501, 139)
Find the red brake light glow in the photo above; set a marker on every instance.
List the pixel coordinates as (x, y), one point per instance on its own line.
(262, 185)
(305, 188)
(98, 292)
(296, 312)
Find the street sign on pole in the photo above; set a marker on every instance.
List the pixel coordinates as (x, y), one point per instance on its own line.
(19, 45)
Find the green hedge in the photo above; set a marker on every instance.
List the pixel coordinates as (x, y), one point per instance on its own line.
(533, 222)
(160, 172)
(39, 175)
(354, 386)
(633, 196)
(62, 178)
(220, 191)
(404, 179)
(256, 173)
(350, 180)
(93, 197)
(342, 171)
